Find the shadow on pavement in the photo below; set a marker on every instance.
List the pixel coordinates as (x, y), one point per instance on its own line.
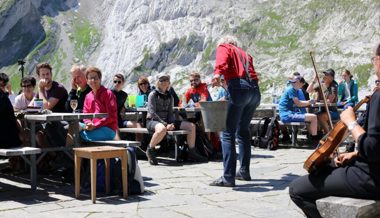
(266, 185)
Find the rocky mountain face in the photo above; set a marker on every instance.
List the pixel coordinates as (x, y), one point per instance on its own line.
(145, 37)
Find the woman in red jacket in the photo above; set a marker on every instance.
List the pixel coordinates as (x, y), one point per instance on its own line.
(99, 100)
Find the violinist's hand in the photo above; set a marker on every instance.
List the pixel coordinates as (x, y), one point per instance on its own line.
(170, 127)
(348, 116)
(344, 158)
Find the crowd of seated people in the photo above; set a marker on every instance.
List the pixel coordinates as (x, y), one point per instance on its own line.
(92, 97)
(295, 102)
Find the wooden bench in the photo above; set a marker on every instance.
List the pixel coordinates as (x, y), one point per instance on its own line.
(293, 125)
(174, 133)
(23, 152)
(340, 207)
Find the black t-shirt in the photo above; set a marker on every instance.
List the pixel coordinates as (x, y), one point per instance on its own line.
(121, 97)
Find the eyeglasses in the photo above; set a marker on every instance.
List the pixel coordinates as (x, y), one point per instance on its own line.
(163, 80)
(27, 86)
(117, 81)
(194, 80)
(93, 78)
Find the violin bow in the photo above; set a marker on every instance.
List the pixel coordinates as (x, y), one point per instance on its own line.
(321, 88)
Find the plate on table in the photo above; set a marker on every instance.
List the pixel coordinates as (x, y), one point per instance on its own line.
(31, 109)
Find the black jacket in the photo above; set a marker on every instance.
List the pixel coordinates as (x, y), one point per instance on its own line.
(8, 128)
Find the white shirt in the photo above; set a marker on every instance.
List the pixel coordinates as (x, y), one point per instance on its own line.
(21, 102)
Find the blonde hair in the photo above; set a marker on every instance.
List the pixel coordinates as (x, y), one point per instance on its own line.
(228, 39)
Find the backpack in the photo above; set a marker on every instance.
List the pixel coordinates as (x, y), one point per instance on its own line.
(203, 145)
(135, 181)
(267, 133)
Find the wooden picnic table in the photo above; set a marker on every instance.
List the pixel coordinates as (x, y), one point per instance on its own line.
(71, 117)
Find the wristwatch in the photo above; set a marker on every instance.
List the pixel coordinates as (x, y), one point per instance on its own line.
(352, 125)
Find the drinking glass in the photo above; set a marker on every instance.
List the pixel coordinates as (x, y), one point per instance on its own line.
(74, 104)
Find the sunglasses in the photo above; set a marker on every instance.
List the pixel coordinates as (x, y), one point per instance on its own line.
(194, 80)
(27, 86)
(140, 84)
(117, 81)
(163, 80)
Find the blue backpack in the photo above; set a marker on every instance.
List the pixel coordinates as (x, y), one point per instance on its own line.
(135, 181)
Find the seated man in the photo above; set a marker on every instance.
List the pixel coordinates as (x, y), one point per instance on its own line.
(288, 113)
(54, 96)
(198, 90)
(330, 92)
(79, 87)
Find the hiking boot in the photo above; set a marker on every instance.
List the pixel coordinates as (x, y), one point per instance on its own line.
(151, 155)
(194, 155)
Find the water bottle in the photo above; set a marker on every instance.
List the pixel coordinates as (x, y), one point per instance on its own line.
(183, 102)
(274, 95)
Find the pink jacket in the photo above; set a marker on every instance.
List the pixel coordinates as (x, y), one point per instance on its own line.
(103, 102)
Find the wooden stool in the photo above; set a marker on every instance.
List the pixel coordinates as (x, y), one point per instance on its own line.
(100, 152)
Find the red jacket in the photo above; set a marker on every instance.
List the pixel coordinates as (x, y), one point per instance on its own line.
(228, 63)
(198, 93)
(103, 102)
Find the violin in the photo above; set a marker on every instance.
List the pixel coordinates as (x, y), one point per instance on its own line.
(329, 144)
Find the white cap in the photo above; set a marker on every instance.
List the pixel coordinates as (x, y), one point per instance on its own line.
(162, 75)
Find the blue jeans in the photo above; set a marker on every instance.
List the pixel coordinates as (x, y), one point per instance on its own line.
(244, 99)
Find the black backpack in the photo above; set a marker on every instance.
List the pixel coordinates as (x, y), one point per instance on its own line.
(203, 145)
(267, 133)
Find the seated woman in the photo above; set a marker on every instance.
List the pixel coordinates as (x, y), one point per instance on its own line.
(143, 86)
(160, 119)
(99, 100)
(355, 174)
(347, 91)
(288, 111)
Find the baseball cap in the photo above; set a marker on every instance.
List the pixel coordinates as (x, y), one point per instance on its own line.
(163, 75)
(329, 72)
(295, 79)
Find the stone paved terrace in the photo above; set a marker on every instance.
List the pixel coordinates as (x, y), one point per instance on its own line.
(173, 190)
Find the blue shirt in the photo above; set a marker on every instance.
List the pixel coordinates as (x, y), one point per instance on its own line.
(223, 93)
(286, 104)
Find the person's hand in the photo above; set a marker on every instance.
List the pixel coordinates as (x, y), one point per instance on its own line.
(170, 127)
(344, 158)
(42, 83)
(8, 87)
(376, 88)
(215, 80)
(348, 116)
(89, 126)
(74, 85)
